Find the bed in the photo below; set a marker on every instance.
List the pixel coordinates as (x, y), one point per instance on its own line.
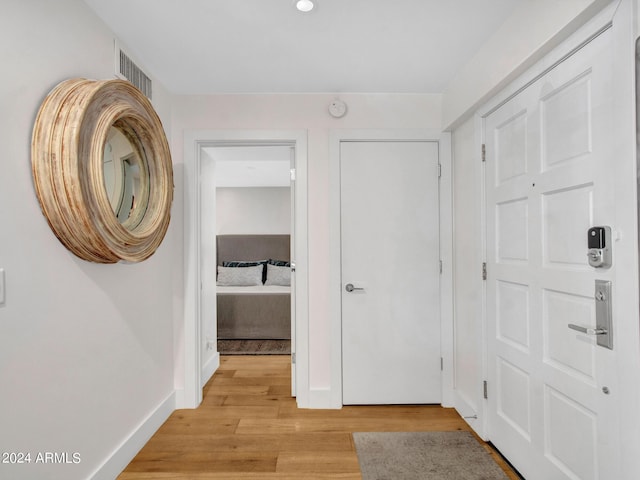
(253, 298)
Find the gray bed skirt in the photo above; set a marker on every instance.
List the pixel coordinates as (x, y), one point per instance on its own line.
(243, 316)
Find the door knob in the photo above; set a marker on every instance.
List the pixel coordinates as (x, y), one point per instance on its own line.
(350, 288)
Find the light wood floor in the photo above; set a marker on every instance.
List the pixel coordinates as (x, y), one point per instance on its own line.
(248, 427)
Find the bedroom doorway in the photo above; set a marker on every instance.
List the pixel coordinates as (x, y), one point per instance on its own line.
(254, 220)
(217, 154)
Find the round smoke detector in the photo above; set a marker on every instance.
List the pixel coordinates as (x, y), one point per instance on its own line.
(337, 108)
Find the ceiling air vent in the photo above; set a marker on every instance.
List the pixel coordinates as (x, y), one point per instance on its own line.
(128, 70)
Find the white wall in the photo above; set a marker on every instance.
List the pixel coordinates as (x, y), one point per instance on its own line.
(86, 350)
(253, 210)
(307, 111)
(468, 285)
(533, 30)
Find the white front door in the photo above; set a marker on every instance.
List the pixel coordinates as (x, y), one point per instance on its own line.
(390, 272)
(552, 391)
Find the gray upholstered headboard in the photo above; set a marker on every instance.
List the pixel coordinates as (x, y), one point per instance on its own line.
(252, 247)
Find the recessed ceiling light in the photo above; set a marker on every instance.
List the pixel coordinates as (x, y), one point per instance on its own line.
(304, 5)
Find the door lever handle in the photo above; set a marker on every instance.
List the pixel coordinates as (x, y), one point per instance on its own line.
(604, 317)
(587, 330)
(350, 288)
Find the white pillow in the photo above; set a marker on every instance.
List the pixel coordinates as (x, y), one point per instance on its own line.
(277, 275)
(239, 276)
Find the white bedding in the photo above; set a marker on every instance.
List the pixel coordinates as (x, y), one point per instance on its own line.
(256, 289)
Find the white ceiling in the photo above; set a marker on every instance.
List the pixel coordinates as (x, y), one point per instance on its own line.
(267, 46)
(251, 166)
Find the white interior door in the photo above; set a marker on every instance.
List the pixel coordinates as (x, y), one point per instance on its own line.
(549, 178)
(390, 272)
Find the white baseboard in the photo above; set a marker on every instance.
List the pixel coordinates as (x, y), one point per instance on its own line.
(322, 398)
(124, 453)
(206, 372)
(209, 368)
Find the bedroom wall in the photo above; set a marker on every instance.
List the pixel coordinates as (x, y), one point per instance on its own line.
(251, 210)
(86, 350)
(307, 111)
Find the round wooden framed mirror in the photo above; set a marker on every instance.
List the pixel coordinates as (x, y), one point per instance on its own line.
(102, 170)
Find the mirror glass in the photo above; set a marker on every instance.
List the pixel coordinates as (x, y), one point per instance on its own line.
(126, 178)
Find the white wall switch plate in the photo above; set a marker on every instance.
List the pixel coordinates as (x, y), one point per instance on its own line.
(2, 289)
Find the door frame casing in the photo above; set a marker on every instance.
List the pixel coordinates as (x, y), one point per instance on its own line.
(446, 248)
(189, 359)
(617, 17)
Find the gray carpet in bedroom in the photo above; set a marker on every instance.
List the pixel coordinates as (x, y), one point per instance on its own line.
(424, 456)
(254, 347)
